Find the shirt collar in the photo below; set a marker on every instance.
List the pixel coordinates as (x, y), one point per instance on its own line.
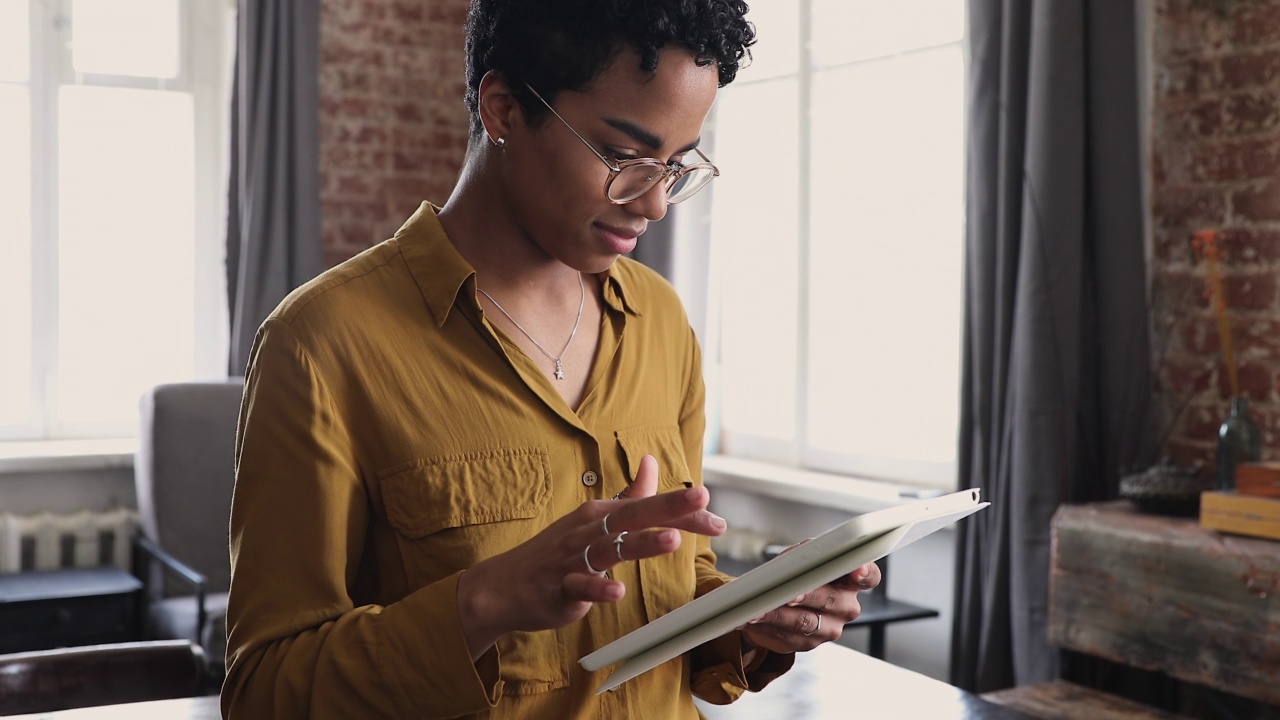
(441, 272)
(436, 265)
(619, 281)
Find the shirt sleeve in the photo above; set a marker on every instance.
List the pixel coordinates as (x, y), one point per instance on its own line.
(719, 674)
(297, 644)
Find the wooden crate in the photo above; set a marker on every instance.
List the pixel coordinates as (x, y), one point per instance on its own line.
(1165, 594)
(1232, 512)
(1062, 700)
(1258, 478)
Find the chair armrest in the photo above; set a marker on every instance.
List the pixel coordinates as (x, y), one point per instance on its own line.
(147, 548)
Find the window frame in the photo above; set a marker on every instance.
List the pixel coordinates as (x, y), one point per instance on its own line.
(206, 48)
(909, 477)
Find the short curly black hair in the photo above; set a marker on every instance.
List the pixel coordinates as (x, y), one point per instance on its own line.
(556, 45)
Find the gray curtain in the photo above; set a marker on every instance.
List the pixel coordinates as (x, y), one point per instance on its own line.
(273, 217)
(1056, 386)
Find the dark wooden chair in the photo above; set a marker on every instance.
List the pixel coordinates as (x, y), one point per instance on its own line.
(76, 677)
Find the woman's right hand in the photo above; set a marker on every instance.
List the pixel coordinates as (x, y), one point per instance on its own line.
(545, 583)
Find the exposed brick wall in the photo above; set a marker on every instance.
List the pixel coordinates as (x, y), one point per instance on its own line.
(1216, 165)
(392, 125)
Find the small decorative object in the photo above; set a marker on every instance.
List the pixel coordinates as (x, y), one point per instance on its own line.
(1238, 441)
(1238, 438)
(1165, 489)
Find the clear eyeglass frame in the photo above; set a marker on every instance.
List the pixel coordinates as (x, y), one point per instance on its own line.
(630, 179)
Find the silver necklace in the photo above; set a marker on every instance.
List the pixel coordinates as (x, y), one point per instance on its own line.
(582, 301)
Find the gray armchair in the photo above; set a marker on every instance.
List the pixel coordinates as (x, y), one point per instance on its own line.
(184, 474)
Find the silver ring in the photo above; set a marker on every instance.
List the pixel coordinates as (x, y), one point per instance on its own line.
(604, 525)
(586, 558)
(617, 545)
(815, 629)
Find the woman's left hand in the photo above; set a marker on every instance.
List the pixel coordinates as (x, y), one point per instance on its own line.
(815, 617)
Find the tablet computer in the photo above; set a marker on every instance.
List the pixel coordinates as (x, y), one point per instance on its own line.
(837, 552)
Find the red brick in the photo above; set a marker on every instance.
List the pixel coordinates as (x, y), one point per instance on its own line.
(1258, 202)
(1255, 379)
(1186, 207)
(1258, 339)
(1249, 290)
(1191, 121)
(1177, 293)
(408, 12)
(1188, 78)
(1252, 159)
(1183, 28)
(1255, 24)
(1201, 420)
(1249, 113)
(1171, 247)
(1200, 335)
(1249, 246)
(1249, 70)
(1187, 376)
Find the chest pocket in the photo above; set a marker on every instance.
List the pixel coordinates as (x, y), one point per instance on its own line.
(667, 581)
(452, 511)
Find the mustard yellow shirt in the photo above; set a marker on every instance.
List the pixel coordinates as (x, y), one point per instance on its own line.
(390, 437)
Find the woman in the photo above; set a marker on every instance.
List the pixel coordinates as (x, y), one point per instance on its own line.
(472, 455)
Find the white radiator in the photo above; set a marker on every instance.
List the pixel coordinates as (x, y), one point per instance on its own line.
(82, 539)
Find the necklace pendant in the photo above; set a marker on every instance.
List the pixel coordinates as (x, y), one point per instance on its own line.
(559, 370)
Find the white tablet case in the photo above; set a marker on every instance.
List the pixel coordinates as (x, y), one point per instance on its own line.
(835, 553)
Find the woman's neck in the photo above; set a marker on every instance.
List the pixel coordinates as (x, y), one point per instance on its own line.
(507, 262)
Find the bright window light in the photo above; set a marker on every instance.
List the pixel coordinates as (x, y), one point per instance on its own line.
(126, 247)
(125, 37)
(837, 241)
(15, 248)
(15, 48)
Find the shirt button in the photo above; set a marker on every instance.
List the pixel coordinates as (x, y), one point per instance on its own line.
(589, 478)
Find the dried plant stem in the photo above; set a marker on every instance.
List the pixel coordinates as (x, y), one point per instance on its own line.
(1217, 299)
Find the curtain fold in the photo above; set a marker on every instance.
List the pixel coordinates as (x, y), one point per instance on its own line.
(1056, 381)
(273, 215)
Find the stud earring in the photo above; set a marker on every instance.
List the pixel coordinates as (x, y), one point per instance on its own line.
(500, 142)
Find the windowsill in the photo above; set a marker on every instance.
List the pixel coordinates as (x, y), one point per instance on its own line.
(62, 455)
(828, 490)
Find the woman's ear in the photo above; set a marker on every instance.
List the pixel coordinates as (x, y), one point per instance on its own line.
(497, 107)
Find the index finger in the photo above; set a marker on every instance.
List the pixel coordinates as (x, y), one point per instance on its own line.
(685, 509)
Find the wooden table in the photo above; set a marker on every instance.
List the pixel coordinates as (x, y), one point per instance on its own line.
(198, 708)
(830, 683)
(1164, 594)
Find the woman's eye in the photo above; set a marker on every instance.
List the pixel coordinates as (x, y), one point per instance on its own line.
(621, 156)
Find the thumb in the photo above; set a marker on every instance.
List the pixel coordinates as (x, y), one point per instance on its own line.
(646, 482)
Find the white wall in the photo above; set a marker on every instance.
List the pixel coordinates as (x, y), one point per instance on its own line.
(63, 491)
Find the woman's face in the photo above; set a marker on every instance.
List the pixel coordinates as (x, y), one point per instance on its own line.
(556, 184)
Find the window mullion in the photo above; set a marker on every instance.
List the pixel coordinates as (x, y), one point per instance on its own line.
(48, 62)
(805, 94)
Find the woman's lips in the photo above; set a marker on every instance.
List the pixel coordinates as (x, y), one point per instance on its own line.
(621, 240)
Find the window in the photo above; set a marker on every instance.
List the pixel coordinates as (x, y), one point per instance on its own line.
(112, 187)
(837, 240)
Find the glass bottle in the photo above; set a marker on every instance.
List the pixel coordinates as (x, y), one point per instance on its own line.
(1238, 441)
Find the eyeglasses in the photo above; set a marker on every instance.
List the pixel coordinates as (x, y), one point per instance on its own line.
(629, 179)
